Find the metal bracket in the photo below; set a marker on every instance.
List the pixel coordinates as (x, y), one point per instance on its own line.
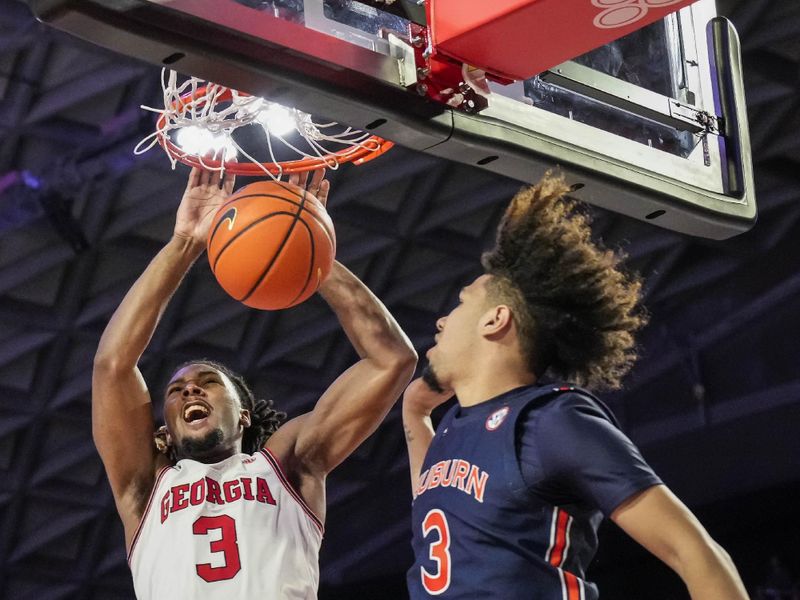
(632, 98)
(692, 116)
(403, 53)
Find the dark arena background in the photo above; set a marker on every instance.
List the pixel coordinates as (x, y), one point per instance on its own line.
(714, 402)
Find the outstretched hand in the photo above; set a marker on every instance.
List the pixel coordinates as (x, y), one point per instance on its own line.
(317, 185)
(205, 192)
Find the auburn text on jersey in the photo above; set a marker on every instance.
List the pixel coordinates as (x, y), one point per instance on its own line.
(456, 473)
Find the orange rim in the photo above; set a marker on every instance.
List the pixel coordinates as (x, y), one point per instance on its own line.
(370, 148)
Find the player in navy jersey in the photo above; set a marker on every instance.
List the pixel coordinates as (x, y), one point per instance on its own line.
(229, 505)
(511, 488)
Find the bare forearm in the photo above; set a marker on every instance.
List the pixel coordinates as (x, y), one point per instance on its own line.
(419, 434)
(713, 576)
(660, 522)
(127, 334)
(370, 327)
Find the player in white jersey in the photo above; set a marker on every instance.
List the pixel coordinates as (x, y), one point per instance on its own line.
(231, 504)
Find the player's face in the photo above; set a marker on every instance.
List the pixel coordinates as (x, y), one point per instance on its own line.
(203, 413)
(458, 332)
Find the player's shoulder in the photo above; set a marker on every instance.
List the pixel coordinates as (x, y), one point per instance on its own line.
(567, 402)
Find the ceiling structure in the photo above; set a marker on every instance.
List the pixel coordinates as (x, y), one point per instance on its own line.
(80, 217)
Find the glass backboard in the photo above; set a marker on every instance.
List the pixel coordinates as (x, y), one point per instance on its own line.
(653, 124)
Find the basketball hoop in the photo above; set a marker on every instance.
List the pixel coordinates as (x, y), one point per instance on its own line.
(206, 114)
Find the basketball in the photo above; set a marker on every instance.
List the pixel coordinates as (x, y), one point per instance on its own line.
(271, 244)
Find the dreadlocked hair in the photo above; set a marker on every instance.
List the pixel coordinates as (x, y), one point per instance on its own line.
(264, 419)
(575, 310)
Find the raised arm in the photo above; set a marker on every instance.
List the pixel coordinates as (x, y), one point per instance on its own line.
(355, 404)
(660, 522)
(122, 418)
(419, 400)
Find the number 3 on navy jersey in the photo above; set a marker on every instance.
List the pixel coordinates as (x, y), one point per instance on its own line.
(439, 552)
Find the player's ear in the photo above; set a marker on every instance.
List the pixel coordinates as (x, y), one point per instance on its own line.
(162, 439)
(245, 420)
(496, 320)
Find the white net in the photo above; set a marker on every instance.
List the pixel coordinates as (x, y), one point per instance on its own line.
(199, 118)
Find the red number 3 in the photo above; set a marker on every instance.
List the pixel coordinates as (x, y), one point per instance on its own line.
(227, 544)
(439, 551)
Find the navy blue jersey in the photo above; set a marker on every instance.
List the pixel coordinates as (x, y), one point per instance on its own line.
(512, 492)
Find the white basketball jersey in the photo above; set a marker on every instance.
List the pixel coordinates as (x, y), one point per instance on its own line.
(231, 530)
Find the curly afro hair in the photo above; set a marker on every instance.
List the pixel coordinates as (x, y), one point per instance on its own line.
(575, 309)
(264, 419)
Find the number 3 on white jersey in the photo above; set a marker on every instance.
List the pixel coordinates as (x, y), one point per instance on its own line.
(439, 552)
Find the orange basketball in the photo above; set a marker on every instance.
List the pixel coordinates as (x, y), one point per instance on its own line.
(271, 245)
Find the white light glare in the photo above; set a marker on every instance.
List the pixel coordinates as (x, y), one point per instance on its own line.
(201, 142)
(278, 119)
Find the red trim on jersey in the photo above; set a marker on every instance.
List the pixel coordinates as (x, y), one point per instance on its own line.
(276, 465)
(573, 586)
(146, 511)
(560, 541)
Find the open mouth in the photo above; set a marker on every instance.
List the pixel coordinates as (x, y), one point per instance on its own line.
(195, 411)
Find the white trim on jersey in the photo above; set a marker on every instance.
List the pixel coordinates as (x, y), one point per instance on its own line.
(564, 589)
(566, 546)
(553, 526)
(562, 558)
(565, 595)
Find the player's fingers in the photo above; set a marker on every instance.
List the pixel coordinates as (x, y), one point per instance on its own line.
(205, 176)
(322, 193)
(194, 178)
(317, 176)
(214, 178)
(422, 392)
(294, 178)
(228, 182)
